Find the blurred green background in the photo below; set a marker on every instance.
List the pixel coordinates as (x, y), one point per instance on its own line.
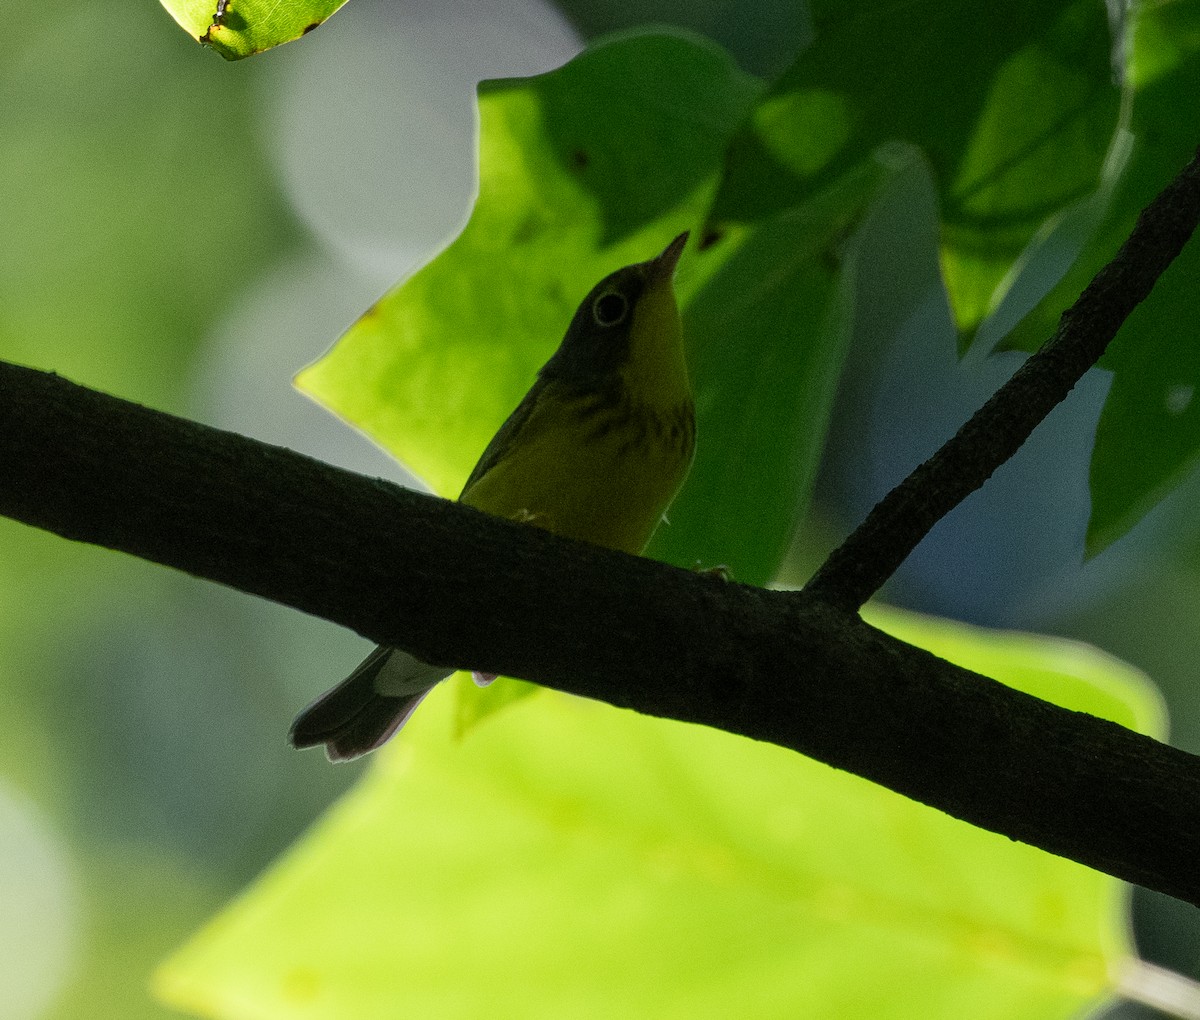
(188, 233)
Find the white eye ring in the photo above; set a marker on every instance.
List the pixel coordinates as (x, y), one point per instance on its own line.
(610, 308)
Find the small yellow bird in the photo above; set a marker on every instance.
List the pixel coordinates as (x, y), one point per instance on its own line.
(596, 451)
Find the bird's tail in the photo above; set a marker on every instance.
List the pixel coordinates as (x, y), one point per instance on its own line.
(368, 707)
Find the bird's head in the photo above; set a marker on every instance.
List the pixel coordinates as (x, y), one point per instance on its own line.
(628, 316)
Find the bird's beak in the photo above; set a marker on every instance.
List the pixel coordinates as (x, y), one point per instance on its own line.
(663, 267)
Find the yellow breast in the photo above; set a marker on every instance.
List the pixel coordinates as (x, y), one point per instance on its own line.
(601, 468)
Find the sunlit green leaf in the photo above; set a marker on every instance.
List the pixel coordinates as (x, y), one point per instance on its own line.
(1149, 433)
(582, 170)
(1013, 105)
(241, 28)
(471, 709)
(568, 859)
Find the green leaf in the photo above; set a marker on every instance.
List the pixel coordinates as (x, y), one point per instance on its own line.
(470, 709)
(582, 170)
(593, 166)
(571, 859)
(1148, 437)
(1149, 432)
(241, 28)
(1013, 106)
(768, 332)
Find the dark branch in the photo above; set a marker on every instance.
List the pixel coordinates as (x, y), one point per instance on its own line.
(458, 587)
(861, 565)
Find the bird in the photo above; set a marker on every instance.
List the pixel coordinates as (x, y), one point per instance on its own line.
(596, 450)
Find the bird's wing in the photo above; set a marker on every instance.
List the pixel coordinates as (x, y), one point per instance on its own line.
(503, 440)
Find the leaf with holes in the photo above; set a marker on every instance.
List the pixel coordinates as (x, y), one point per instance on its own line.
(241, 28)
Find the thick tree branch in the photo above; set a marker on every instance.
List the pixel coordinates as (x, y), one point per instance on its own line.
(861, 565)
(458, 587)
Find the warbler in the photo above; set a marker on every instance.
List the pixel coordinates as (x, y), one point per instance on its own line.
(596, 450)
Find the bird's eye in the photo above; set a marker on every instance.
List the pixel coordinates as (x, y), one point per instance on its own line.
(610, 309)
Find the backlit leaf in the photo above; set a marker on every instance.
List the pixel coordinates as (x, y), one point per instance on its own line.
(567, 859)
(241, 28)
